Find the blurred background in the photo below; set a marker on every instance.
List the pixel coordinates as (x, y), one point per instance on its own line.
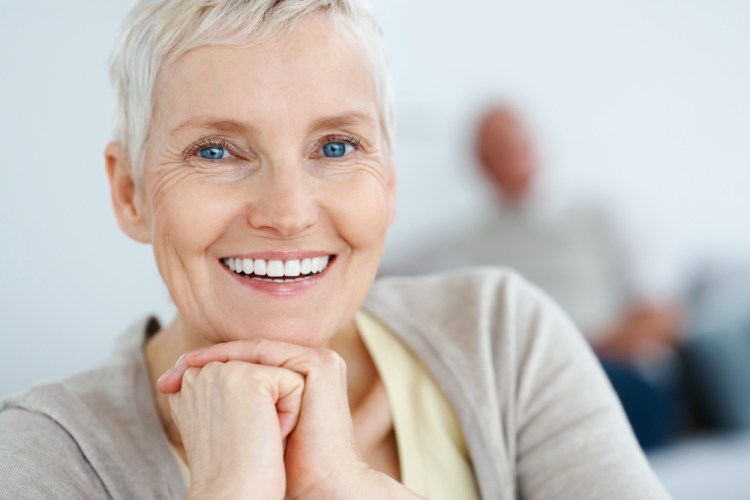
(631, 115)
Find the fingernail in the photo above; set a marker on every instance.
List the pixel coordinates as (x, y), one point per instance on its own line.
(180, 360)
(168, 372)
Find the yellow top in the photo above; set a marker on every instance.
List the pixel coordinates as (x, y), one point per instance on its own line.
(431, 449)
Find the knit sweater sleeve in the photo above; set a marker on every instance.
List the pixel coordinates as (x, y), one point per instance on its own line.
(572, 438)
(40, 460)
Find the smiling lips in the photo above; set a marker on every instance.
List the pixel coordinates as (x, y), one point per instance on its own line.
(279, 271)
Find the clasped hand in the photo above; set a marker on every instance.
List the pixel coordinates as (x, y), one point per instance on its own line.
(268, 419)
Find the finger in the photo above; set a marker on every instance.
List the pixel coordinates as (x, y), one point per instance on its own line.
(301, 359)
(291, 387)
(171, 381)
(323, 369)
(282, 386)
(279, 387)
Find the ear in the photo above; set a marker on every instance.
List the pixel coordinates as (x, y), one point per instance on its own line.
(392, 188)
(126, 201)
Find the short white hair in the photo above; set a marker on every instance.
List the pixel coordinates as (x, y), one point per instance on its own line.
(157, 32)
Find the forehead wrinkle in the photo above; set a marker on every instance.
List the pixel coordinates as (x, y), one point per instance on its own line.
(227, 125)
(278, 110)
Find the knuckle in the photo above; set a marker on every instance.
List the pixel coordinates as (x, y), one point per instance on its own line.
(331, 359)
(210, 370)
(232, 371)
(190, 376)
(213, 366)
(292, 377)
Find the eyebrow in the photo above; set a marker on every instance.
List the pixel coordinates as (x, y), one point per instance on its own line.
(213, 123)
(346, 119)
(343, 120)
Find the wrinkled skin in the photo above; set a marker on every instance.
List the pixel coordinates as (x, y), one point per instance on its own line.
(263, 407)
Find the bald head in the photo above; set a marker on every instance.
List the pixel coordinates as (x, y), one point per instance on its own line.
(506, 154)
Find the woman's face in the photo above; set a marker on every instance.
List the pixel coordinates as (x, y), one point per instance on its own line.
(269, 158)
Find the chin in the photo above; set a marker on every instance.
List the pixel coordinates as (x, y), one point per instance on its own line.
(297, 330)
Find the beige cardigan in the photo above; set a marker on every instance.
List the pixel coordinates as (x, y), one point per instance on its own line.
(539, 418)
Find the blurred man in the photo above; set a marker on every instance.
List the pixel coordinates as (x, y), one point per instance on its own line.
(577, 256)
(636, 326)
(573, 252)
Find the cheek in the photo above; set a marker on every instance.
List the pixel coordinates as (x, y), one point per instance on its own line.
(361, 208)
(187, 218)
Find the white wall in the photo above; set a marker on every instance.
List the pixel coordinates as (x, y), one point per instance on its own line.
(644, 103)
(641, 103)
(69, 279)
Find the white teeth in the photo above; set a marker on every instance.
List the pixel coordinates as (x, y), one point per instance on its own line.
(319, 263)
(260, 267)
(293, 268)
(275, 269)
(247, 266)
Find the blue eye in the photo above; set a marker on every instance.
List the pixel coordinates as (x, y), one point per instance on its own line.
(336, 149)
(213, 153)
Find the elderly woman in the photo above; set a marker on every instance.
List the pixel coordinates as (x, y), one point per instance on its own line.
(252, 151)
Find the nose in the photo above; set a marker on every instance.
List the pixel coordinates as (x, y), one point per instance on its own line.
(283, 202)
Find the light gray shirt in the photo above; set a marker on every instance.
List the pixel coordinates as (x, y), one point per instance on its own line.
(539, 418)
(574, 253)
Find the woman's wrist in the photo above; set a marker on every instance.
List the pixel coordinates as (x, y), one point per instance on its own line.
(229, 489)
(362, 482)
(384, 486)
